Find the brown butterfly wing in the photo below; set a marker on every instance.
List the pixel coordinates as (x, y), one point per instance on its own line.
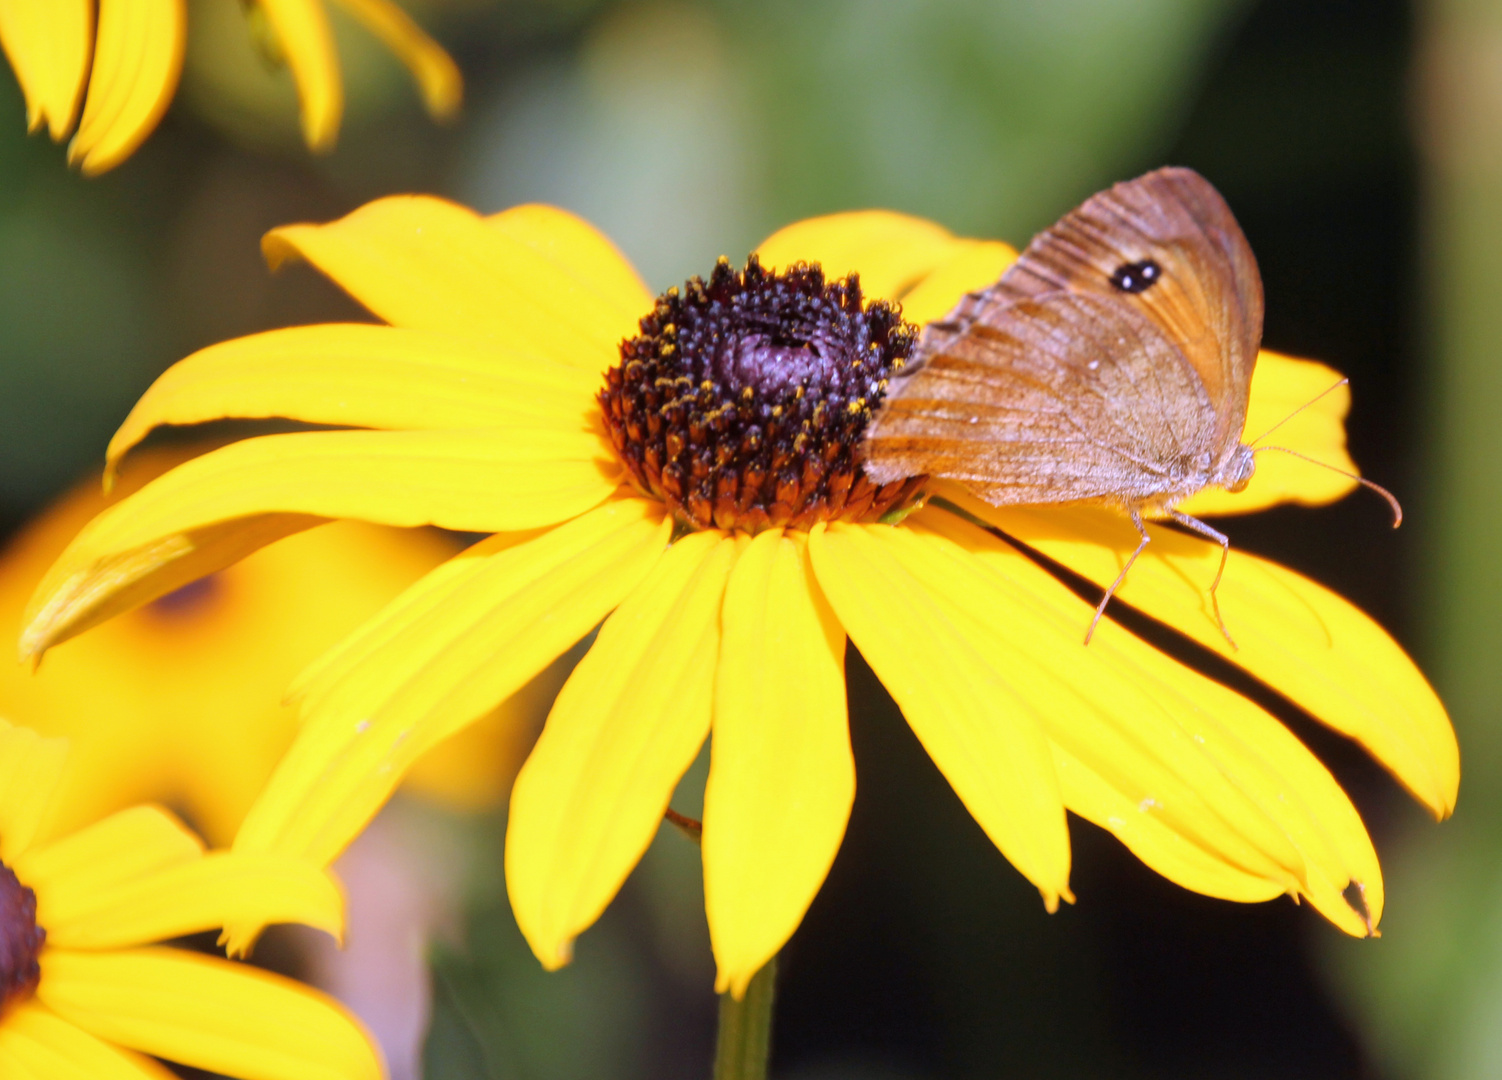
(1208, 299)
(1204, 323)
(1065, 397)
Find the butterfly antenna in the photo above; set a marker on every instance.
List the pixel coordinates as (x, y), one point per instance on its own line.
(1301, 408)
(1397, 509)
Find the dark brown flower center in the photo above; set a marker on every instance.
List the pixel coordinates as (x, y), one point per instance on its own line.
(741, 402)
(20, 940)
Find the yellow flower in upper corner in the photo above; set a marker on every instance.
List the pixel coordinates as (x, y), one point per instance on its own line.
(726, 549)
(133, 698)
(85, 993)
(131, 60)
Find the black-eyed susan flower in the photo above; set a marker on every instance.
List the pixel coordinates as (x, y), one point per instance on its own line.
(118, 64)
(681, 473)
(132, 698)
(84, 992)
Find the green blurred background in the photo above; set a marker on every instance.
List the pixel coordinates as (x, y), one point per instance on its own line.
(1360, 144)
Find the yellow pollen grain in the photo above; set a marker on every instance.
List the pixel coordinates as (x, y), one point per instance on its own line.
(706, 386)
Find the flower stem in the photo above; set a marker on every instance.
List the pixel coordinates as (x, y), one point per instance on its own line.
(745, 1037)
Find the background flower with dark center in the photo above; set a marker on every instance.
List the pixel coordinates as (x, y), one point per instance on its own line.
(129, 62)
(483, 403)
(132, 698)
(83, 992)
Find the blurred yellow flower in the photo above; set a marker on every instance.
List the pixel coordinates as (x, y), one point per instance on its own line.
(485, 398)
(131, 59)
(180, 701)
(84, 993)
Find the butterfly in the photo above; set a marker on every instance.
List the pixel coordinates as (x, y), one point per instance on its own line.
(1109, 364)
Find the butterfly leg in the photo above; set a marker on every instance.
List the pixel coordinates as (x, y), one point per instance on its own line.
(1104, 600)
(1225, 550)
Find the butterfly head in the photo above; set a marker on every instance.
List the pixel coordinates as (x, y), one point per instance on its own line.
(1237, 469)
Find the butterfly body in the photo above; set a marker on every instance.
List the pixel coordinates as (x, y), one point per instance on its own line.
(1110, 363)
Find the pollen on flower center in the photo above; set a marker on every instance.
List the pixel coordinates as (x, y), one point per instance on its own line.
(742, 401)
(20, 940)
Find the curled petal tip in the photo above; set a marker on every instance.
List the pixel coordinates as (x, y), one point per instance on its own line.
(276, 250)
(561, 956)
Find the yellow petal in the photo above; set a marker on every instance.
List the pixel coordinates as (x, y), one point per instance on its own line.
(1282, 390)
(48, 44)
(209, 1013)
(1119, 707)
(435, 71)
(983, 737)
(138, 56)
(35, 1044)
(219, 507)
(781, 775)
(1309, 644)
(307, 41)
(359, 375)
(118, 851)
(625, 727)
(440, 661)
(892, 252)
(31, 768)
(419, 601)
(580, 250)
(973, 265)
(1159, 845)
(421, 262)
(76, 596)
(1205, 763)
(220, 889)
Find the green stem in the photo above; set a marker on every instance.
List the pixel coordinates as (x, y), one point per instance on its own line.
(745, 1038)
